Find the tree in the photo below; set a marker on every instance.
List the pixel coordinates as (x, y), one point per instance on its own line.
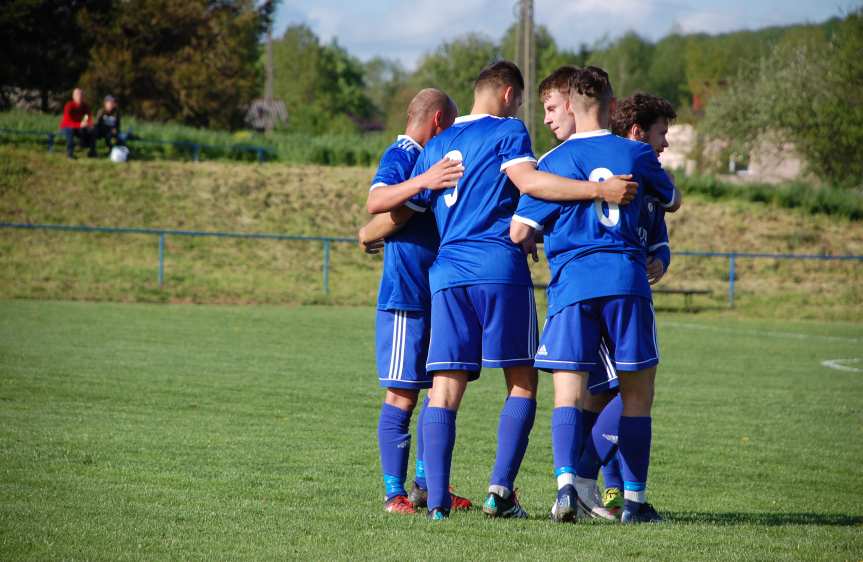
(627, 62)
(807, 90)
(193, 61)
(45, 48)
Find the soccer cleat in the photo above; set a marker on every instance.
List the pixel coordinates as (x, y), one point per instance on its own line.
(438, 514)
(565, 506)
(590, 504)
(644, 513)
(399, 504)
(497, 506)
(419, 498)
(612, 499)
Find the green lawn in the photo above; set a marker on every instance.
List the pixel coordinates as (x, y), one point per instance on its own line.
(168, 432)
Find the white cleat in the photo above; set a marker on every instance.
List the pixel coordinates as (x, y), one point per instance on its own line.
(590, 502)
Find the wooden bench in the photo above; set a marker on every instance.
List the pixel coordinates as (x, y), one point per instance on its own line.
(687, 294)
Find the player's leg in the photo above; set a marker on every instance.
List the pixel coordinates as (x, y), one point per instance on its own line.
(401, 339)
(569, 348)
(454, 358)
(418, 495)
(394, 443)
(439, 432)
(631, 325)
(509, 342)
(604, 438)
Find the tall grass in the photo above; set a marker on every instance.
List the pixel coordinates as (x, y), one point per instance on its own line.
(292, 148)
(826, 199)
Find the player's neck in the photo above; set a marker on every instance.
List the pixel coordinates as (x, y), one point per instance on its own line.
(487, 105)
(586, 123)
(418, 135)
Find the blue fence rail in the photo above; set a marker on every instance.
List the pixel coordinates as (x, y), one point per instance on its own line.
(163, 233)
(327, 241)
(50, 137)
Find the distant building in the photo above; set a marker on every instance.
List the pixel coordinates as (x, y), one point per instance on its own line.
(264, 115)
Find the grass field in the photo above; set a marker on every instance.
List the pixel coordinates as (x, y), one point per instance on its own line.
(150, 432)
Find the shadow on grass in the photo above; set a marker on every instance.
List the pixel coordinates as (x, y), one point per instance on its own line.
(769, 519)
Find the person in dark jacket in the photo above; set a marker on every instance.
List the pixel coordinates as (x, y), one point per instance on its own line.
(108, 124)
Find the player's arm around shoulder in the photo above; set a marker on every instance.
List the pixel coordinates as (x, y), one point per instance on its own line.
(544, 185)
(384, 198)
(659, 182)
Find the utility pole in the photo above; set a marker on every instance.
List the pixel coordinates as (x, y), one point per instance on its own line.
(526, 60)
(268, 91)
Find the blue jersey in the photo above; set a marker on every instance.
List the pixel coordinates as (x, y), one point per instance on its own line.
(408, 253)
(473, 217)
(653, 232)
(593, 248)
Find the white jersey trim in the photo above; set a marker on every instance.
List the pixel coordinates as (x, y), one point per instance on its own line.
(474, 117)
(589, 134)
(515, 161)
(657, 246)
(415, 207)
(412, 141)
(670, 203)
(377, 185)
(529, 222)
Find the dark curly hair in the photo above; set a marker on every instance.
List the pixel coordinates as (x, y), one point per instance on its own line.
(640, 109)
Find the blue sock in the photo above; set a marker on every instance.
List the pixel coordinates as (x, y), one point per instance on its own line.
(606, 431)
(611, 473)
(516, 421)
(634, 441)
(565, 437)
(588, 461)
(438, 440)
(420, 478)
(394, 442)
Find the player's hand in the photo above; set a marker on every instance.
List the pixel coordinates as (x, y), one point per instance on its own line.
(373, 246)
(529, 248)
(618, 189)
(655, 270)
(444, 174)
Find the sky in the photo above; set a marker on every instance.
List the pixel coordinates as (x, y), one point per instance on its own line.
(405, 30)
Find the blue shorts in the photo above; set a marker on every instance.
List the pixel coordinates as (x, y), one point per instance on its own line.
(486, 325)
(402, 342)
(571, 339)
(604, 378)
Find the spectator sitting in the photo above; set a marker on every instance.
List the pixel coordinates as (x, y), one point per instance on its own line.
(76, 123)
(108, 124)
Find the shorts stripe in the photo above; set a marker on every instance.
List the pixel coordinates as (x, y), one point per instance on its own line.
(397, 354)
(402, 344)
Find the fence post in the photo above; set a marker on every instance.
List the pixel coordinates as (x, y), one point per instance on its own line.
(731, 276)
(196, 152)
(161, 259)
(260, 152)
(50, 142)
(326, 266)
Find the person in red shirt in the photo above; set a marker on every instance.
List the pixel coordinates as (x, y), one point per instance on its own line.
(77, 122)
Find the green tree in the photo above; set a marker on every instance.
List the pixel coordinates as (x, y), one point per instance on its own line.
(807, 90)
(627, 61)
(45, 48)
(193, 61)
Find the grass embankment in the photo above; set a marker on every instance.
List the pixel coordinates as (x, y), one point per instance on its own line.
(35, 187)
(139, 432)
(294, 148)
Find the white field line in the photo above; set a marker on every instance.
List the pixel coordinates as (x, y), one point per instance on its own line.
(759, 333)
(840, 364)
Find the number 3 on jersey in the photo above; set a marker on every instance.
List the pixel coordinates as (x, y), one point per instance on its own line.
(451, 198)
(602, 174)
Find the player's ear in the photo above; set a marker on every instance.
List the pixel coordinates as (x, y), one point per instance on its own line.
(437, 120)
(635, 132)
(508, 94)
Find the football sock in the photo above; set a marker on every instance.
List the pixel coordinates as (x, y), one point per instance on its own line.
(420, 478)
(513, 431)
(634, 440)
(611, 473)
(394, 441)
(438, 441)
(588, 461)
(604, 436)
(565, 437)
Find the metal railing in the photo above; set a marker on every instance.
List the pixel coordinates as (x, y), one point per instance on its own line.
(163, 233)
(195, 148)
(327, 241)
